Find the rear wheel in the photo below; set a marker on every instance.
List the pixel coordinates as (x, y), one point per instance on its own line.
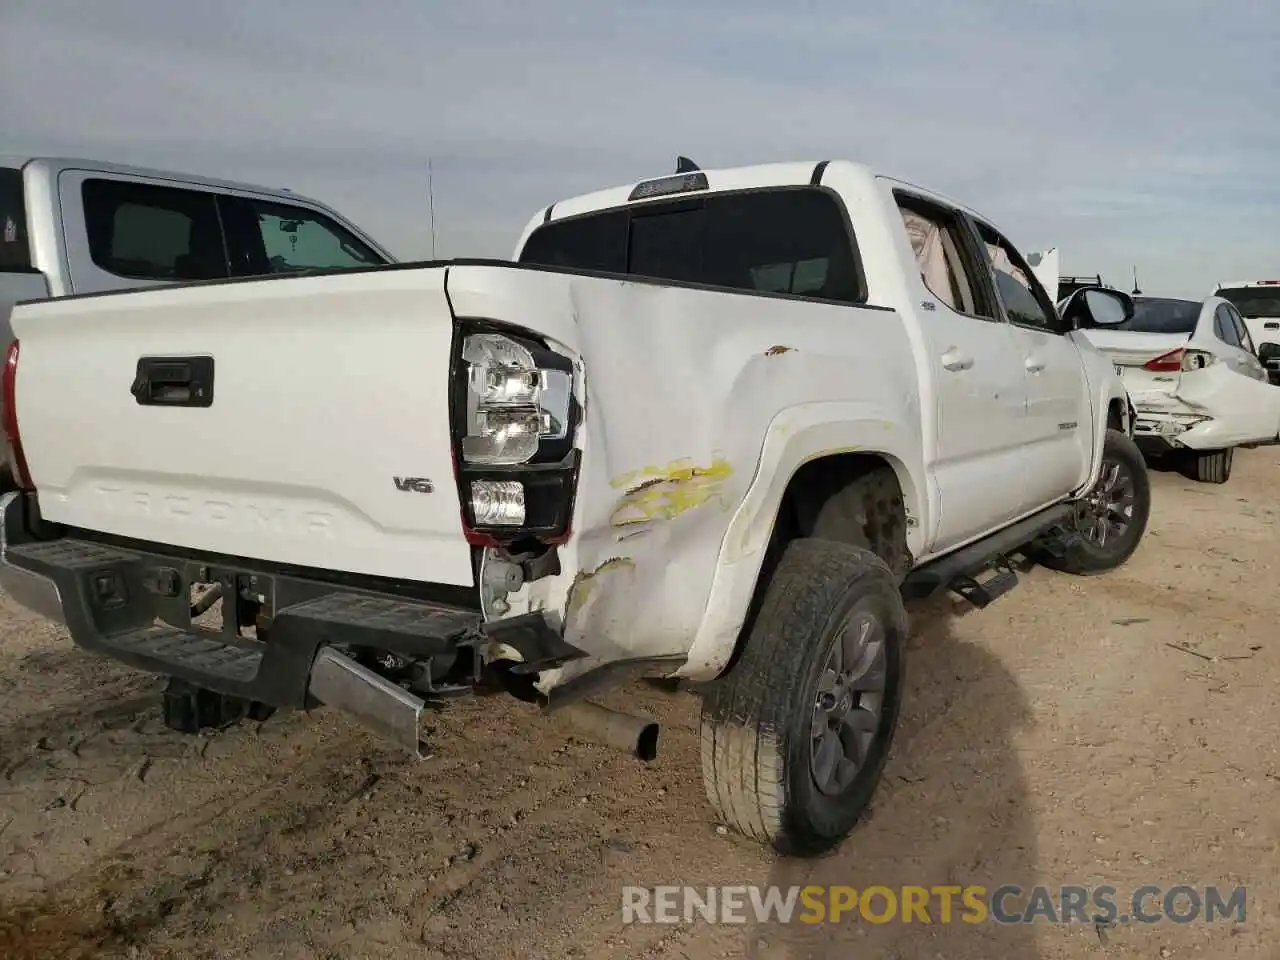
(1111, 518)
(795, 736)
(1209, 466)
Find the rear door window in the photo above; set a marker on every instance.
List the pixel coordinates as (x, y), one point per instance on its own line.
(938, 240)
(793, 241)
(146, 232)
(15, 250)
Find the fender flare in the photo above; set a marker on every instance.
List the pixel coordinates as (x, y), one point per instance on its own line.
(796, 436)
(1108, 393)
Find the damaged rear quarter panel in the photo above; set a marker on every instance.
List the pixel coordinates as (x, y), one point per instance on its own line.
(683, 387)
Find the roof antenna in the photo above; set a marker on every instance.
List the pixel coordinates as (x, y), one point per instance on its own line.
(1136, 291)
(431, 206)
(685, 165)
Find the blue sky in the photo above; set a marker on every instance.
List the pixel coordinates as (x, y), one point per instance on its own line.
(1131, 131)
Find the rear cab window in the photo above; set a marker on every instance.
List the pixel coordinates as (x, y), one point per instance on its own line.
(1254, 302)
(1162, 315)
(15, 248)
(793, 241)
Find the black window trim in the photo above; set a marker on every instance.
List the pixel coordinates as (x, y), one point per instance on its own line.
(979, 281)
(655, 207)
(1019, 261)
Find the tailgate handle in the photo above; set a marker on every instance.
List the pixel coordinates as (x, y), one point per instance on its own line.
(174, 382)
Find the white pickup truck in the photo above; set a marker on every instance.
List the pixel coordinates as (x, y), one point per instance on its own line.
(714, 426)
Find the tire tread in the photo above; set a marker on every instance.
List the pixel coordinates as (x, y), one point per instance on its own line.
(744, 714)
(1211, 467)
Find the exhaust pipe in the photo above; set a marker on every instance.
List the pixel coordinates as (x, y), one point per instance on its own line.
(637, 736)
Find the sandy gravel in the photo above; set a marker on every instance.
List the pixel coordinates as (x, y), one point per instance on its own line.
(1057, 737)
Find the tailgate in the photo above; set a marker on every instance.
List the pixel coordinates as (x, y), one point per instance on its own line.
(329, 395)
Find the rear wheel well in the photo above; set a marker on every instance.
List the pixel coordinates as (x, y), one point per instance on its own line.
(1117, 414)
(851, 498)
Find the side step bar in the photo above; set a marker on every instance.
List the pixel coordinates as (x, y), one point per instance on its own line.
(960, 571)
(981, 592)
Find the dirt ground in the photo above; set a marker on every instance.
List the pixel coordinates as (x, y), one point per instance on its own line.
(1116, 730)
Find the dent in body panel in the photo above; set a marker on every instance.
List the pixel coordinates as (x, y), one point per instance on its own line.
(693, 406)
(585, 583)
(684, 389)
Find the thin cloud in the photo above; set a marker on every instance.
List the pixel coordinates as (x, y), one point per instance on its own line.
(1121, 133)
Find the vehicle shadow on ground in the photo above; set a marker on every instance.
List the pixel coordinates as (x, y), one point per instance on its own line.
(952, 810)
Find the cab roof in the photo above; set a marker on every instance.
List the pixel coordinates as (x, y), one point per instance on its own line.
(783, 174)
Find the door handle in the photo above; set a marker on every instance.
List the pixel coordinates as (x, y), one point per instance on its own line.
(954, 359)
(1034, 364)
(173, 382)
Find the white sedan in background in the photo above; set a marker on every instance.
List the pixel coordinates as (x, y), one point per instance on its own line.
(1195, 380)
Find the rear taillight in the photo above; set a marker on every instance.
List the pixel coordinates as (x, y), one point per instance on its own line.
(17, 460)
(1180, 360)
(513, 416)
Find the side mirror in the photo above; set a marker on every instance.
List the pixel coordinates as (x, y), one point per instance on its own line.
(1097, 307)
